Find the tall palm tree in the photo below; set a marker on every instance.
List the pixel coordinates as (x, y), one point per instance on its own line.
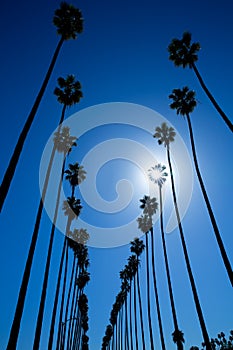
(69, 23)
(145, 224)
(137, 247)
(68, 93)
(150, 206)
(63, 142)
(184, 103)
(166, 135)
(184, 53)
(158, 176)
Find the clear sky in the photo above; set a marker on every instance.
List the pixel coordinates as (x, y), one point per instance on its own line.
(120, 57)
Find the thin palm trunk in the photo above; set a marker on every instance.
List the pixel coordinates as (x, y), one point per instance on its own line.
(148, 293)
(130, 316)
(175, 322)
(135, 314)
(47, 268)
(68, 303)
(55, 303)
(208, 205)
(220, 111)
(9, 174)
(126, 325)
(156, 291)
(72, 306)
(13, 338)
(189, 270)
(62, 298)
(140, 311)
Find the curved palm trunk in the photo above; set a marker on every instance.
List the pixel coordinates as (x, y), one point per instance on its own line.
(148, 293)
(220, 111)
(60, 328)
(55, 303)
(156, 292)
(135, 314)
(208, 205)
(9, 174)
(175, 322)
(190, 274)
(126, 325)
(140, 311)
(14, 333)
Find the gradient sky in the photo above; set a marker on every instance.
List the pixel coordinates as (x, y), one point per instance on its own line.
(120, 57)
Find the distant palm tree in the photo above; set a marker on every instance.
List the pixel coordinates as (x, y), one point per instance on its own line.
(184, 53)
(158, 175)
(150, 206)
(69, 23)
(137, 247)
(184, 103)
(75, 175)
(68, 94)
(67, 142)
(166, 135)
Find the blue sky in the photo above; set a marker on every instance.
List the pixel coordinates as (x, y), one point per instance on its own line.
(120, 57)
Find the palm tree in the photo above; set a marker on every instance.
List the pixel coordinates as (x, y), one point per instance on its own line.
(150, 206)
(184, 102)
(137, 247)
(68, 94)
(184, 53)
(75, 175)
(63, 142)
(165, 135)
(158, 176)
(69, 23)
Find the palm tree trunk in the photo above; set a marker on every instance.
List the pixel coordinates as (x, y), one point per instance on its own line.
(72, 306)
(126, 325)
(220, 111)
(62, 297)
(9, 174)
(55, 303)
(175, 322)
(156, 292)
(208, 205)
(47, 267)
(148, 293)
(130, 316)
(140, 311)
(68, 303)
(190, 274)
(14, 333)
(135, 314)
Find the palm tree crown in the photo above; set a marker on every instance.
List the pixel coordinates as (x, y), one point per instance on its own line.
(164, 134)
(183, 100)
(63, 141)
(149, 205)
(75, 174)
(157, 174)
(144, 223)
(72, 207)
(80, 236)
(182, 52)
(69, 90)
(68, 20)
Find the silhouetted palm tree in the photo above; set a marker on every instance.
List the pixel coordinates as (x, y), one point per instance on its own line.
(137, 247)
(158, 176)
(165, 135)
(150, 206)
(67, 141)
(69, 23)
(75, 175)
(184, 103)
(68, 94)
(184, 53)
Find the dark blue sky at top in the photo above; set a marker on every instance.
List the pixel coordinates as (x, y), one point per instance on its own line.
(120, 56)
